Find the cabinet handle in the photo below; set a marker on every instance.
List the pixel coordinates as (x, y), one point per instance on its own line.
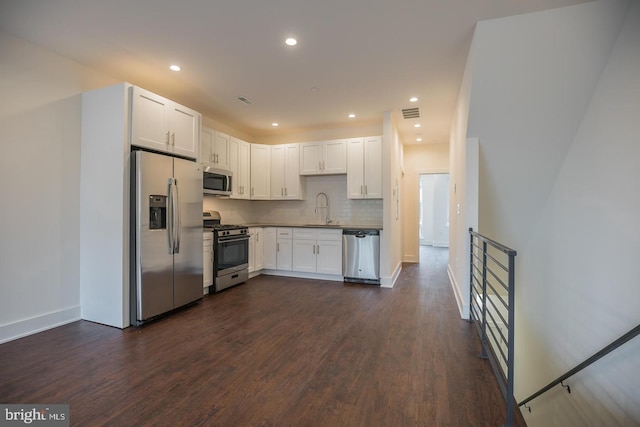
(173, 139)
(168, 137)
(285, 191)
(318, 251)
(277, 247)
(319, 165)
(366, 190)
(252, 191)
(323, 165)
(314, 249)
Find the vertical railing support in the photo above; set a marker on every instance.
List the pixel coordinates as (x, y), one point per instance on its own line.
(511, 346)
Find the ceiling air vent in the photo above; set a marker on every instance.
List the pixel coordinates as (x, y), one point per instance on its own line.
(243, 99)
(411, 113)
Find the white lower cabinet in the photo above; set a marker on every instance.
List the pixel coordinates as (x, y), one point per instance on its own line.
(277, 248)
(256, 249)
(207, 261)
(317, 250)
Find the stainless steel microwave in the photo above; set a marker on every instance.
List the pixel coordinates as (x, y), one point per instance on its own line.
(216, 181)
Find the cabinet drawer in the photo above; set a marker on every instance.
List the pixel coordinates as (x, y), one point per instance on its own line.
(304, 233)
(329, 234)
(284, 233)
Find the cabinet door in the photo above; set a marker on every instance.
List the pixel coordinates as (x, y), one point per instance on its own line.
(292, 181)
(206, 146)
(252, 250)
(373, 167)
(329, 257)
(207, 269)
(304, 255)
(310, 158)
(284, 254)
(270, 248)
(335, 157)
(150, 120)
(184, 124)
(277, 172)
(259, 250)
(260, 172)
(355, 168)
(244, 177)
(220, 151)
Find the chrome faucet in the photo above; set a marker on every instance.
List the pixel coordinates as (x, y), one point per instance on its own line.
(326, 206)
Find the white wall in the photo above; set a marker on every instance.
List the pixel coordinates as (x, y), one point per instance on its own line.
(391, 235)
(558, 162)
(417, 159)
(40, 169)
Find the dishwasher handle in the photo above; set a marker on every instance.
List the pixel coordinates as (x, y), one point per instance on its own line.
(360, 234)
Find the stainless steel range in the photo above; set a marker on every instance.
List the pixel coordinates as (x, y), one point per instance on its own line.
(230, 251)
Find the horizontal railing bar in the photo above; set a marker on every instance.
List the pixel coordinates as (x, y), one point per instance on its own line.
(501, 265)
(497, 310)
(504, 285)
(497, 341)
(500, 247)
(600, 354)
(496, 293)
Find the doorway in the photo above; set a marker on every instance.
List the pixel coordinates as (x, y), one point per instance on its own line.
(434, 210)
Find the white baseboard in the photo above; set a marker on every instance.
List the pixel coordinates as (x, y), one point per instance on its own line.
(462, 306)
(33, 325)
(389, 282)
(411, 258)
(302, 275)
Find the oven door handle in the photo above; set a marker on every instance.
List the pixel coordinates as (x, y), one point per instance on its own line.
(238, 239)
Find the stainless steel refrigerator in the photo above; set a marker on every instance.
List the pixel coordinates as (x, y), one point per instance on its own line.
(166, 234)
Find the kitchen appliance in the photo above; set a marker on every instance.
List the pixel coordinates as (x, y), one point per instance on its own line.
(166, 234)
(216, 181)
(231, 251)
(361, 256)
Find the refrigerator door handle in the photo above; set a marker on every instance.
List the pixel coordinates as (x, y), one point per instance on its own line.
(178, 219)
(171, 217)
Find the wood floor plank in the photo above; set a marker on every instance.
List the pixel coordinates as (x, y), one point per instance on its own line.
(274, 351)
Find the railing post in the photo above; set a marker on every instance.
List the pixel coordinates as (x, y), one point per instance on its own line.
(471, 275)
(512, 344)
(484, 354)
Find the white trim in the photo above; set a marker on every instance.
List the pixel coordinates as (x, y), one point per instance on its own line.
(391, 281)
(462, 307)
(411, 258)
(303, 275)
(33, 325)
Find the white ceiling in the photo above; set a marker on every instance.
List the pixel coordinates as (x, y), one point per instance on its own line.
(363, 56)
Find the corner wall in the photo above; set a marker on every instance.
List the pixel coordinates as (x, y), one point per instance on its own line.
(40, 169)
(554, 103)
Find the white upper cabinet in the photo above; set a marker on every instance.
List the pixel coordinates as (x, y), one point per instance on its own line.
(162, 125)
(286, 183)
(364, 171)
(323, 158)
(260, 172)
(239, 161)
(214, 149)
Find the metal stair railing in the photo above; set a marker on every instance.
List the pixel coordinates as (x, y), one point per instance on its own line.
(492, 309)
(597, 356)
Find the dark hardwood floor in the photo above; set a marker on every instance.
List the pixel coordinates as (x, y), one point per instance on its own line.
(272, 352)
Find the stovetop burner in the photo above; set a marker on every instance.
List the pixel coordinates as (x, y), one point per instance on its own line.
(225, 226)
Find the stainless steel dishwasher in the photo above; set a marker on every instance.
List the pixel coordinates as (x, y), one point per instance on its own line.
(361, 256)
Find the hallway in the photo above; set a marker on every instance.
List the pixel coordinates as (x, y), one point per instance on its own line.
(274, 351)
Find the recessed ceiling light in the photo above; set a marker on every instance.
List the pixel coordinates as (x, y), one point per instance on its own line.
(419, 139)
(413, 99)
(291, 41)
(417, 125)
(174, 67)
(275, 125)
(352, 116)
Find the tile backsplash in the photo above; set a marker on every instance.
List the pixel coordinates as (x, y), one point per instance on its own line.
(344, 211)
